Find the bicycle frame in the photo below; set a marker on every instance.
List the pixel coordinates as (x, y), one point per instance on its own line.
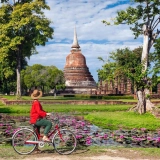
(26, 140)
(56, 128)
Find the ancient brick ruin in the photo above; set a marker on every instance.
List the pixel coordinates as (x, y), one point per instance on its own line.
(118, 86)
(121, 86)
(78, 79)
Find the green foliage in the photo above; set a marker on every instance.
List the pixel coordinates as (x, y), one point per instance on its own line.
(42, 76)
(61, 86)
(144, 18)
(155, 56)
(127, 58)
(125, 63)
(55, 78)
(108, 71)
(23, 26)
(144, 12)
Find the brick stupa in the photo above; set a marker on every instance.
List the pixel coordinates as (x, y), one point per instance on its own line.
(78, 79)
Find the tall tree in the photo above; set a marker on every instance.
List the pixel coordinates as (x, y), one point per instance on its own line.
(23, 26)
(8, 74)
(144, 19)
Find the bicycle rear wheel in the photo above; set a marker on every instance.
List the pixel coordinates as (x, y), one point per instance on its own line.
(64, 141)
(20, 138)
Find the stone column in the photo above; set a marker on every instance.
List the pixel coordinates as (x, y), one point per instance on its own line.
(90, 91)
(100, 87)
(110, 88)
(116, 85)
(122, 85)
(106, 87)
(104, 90)
(128, 86)
(119, 86)
(158, 88)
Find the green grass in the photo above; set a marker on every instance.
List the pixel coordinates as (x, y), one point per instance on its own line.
(105, 116)
(61, 98)
(7, 152)
(126, 120)
(65, 108)
(149, 151)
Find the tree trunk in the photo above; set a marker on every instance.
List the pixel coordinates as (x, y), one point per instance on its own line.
(18, 83)
(141, 105)
(145, 51)
(55, 92)
(149, 105)
(18, 71)
(144, 104)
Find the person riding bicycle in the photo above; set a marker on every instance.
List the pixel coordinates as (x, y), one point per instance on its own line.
(37, 114)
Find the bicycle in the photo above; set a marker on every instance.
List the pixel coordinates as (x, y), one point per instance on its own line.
(25, 140)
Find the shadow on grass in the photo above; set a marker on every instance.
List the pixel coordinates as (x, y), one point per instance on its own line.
(5, 110)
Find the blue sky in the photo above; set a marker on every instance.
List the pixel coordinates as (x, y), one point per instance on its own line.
(95, 39)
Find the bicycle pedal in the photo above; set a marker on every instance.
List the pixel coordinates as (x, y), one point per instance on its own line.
(41, 144)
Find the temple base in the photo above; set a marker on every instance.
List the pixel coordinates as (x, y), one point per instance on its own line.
(80, 90)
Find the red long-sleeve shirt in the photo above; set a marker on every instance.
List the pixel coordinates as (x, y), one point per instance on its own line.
(36, 112)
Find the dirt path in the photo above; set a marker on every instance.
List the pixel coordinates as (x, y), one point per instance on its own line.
(100, 157)
(57, 157)
(86, 153)
(108, 154)
(105, 154)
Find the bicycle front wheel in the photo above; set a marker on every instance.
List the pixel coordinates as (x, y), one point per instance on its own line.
(20, 141)
(64, 141)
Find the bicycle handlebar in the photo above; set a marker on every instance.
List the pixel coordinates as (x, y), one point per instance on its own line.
(54, 117)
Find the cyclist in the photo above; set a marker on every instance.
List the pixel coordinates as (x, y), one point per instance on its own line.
(37, 114)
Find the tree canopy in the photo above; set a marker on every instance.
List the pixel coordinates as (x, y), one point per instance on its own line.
(124, 63)
(23, 26)
(42, 76)
(144, 19)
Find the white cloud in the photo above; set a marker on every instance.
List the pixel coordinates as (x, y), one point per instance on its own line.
(95, 39)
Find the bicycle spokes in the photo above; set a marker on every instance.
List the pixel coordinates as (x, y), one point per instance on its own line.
(23, 141)
(64, 142)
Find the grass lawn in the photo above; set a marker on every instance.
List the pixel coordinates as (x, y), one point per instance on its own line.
(106, 116)
(77, 97)
(125, 120)
(8, 153)
(81, 109)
